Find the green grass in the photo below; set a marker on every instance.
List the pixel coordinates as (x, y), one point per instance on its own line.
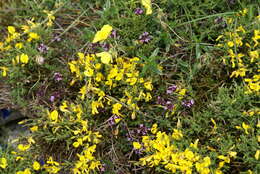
(182, 51)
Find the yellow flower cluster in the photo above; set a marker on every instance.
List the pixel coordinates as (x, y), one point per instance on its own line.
(82, 137)
(162, 150)
(50, 17)
(103, 77)
(3, 163)
(86, 161)
(51, 166)
(16, 38)
(243, 51)
(148, 6)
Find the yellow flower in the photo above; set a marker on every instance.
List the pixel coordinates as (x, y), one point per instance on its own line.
(214, 123)
(253, 55)
(51, 18)
(232, 154)
(148, 85)
(19, 158)
(3, 163)
(22, 147)
(19, 45)
(76, 144)
(11, 29)
(240, 72)
(102, 34)
(106, 57)
(30, 140)
(95, 105)
(219, 37)
(64, 106)
(132, 81)
(224, 158)
(148, 5)
(240, 28)
(154, 128)
(36, 165)
(27, 171)
(250, 172)
(116, 108)
(243, 12)
(230, 43)
(24, 58)
(148, 96)
(34, 128)
(83, 92)
(245, 127)
(32, 36)
(257, 154)
(4, 70)
(177, 134)
(182, 92)
(195, 144)
(137, 145)
(218, 171)
(54, 115)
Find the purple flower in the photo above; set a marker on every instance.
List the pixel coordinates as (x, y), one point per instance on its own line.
(40, 92)
(52, 98)
(113, 34)
(142, 130)
(169, 105)
(112, 120)
(160, 101)
(188, 103)
(138, 11)
(56, 38)
(42, 48)
(55, 95)
(171, 89)
(105, 46)
(57, 76)
(103, 168)
(145, 37)
(93, 47)
(41, 161)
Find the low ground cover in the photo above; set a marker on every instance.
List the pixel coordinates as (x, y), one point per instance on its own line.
(133, 86)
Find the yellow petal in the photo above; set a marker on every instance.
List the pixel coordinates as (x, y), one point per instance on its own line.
(148, 5)
(137, 145)
(24, 58)
(106, 57)
(11, 29)
(36, 165)
(257, 154)
(102, 34)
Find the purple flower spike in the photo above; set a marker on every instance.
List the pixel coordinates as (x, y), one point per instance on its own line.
(112, 120)
(171, 89)
(138, 11)
(114, 34)
(160, 101)
(55, 95)
(105, 46)
(52, 98)
(188, 103)
(57, 76)
(56, 38)
(169, 105)
(145, 37)
(42, 48)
